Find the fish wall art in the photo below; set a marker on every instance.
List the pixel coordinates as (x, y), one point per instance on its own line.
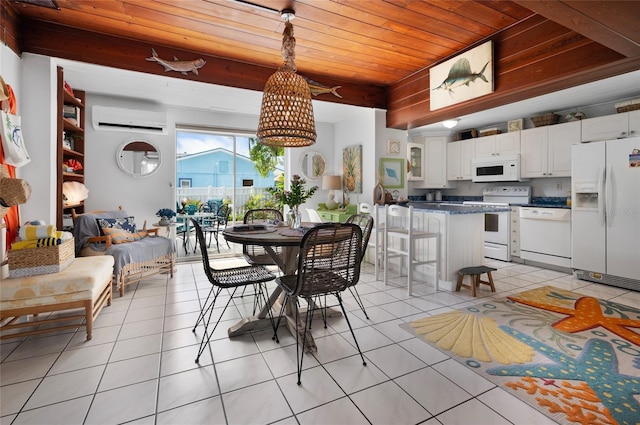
(317, 88)
(463, 77)
(183, 67)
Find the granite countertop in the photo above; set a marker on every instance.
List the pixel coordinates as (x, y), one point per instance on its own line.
(549, 202)
(537, 202)
(455, 208)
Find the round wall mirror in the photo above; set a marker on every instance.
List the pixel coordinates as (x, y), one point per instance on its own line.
(312, 165)
(138, 158)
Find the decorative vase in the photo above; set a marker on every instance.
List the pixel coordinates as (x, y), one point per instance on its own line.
(164, 221)
(293, 217)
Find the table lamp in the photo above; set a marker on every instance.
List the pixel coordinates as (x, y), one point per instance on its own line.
(331, 183)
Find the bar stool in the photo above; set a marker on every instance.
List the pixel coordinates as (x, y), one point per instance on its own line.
(399, 225)
(378, 238)
(475, 273)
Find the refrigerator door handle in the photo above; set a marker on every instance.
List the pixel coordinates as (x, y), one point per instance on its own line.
(601, 202)
(608, 190)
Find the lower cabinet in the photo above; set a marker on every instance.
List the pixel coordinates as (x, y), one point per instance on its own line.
(337, 216)
(515, 231)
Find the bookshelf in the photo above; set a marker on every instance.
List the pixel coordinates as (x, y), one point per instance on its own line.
(70, 145)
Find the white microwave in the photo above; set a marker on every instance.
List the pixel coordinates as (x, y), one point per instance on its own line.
(502, 168)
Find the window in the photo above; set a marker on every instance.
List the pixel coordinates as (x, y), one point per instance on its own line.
(216, 165)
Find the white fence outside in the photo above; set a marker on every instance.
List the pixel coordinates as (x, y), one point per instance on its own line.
(203, 194)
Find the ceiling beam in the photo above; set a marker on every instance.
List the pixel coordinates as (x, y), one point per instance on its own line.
(612, 23)
(55, 40)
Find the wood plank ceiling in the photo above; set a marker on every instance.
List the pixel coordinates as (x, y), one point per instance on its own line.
(379, 51)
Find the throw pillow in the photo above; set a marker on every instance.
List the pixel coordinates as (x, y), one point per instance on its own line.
(122, 236)
(127, 224)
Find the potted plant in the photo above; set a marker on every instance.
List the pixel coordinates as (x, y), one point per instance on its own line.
(192, 206)
(165, 214)
(296, 195)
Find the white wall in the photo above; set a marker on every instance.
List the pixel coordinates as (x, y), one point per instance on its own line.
(382, 135)
(36, 103)
(109, 187)
(357, 129)
(324, 145)
(10, 69)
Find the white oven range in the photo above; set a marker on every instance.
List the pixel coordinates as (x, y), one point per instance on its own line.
(497, 229)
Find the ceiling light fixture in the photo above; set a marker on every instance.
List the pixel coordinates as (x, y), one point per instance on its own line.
(286, 115)
(450, 123)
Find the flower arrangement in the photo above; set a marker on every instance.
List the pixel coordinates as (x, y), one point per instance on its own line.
(296, 195)
(166, 212)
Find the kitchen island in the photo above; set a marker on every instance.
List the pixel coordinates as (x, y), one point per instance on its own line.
(461, 238)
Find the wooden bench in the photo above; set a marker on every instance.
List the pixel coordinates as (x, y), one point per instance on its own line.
(85, 284)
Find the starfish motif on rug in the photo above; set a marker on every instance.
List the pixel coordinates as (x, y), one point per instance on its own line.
(596, 366)
(588, 315)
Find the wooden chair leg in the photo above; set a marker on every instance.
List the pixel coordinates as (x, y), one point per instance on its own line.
(493, 287)
(474, 283)
(459, 283)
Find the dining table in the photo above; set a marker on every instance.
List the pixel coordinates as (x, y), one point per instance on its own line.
(184, 220)
(288, 240)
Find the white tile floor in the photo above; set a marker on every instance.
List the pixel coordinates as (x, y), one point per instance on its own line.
(139, 367)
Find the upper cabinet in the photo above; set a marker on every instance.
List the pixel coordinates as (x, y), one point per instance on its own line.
(546, 151)
(498, 144)
(634, 123)
(415, 158)
(616, 126)
(459, 156)
(435, 157)
(70, 145)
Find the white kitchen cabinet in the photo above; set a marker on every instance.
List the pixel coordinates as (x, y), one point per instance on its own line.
(498, 144)
(415, 156)
(546, 151)
(459, 156)
(634, 123)
(609, 127)
(435, 170)
(515, 231)
(561, 137)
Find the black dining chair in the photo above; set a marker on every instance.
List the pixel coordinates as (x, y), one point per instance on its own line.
(256, 254)
(328, 263)
(226, 279)
(365, 221)
(216, 224)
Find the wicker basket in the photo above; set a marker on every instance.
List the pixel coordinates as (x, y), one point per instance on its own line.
(489, 132)
(545, 119)
(630, 105)
(42, 260)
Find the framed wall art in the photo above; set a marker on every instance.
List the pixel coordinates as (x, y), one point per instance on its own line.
(466, 76)
(514, 125)
(392, 172)
(393, 147)
(352, 169)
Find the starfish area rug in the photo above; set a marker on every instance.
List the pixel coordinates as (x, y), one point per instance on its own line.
(573, 357)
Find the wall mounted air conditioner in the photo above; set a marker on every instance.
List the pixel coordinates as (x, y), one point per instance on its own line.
(132, 120)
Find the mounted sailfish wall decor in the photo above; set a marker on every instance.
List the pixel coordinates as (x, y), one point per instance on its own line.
(463, 77)
(182, 67)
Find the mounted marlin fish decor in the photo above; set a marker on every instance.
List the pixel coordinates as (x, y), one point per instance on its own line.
(182, 67)
(463, 77)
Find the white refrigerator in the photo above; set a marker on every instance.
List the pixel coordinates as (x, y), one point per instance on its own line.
(605, 179)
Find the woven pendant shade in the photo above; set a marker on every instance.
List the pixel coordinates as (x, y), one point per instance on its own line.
(286, 116)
